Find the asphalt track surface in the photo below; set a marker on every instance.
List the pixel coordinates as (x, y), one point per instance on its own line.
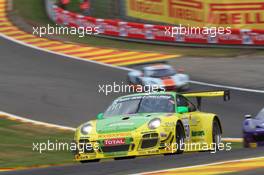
(51, 88)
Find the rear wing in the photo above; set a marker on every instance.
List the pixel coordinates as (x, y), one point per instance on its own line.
(202, 94)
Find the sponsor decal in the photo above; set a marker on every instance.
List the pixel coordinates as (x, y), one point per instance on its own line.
(111, 154)
(247, 14)
(198, 133)
(208, 14)
(152, 151)
(169, 124)
(84, 157)
(237, 13)
(114, 135)
(114, 142)
(155, 7)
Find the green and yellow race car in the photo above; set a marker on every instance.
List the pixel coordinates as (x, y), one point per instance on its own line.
(150, 123)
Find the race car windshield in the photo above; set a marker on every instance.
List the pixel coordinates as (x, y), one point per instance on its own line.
(157, 104)
(260, 115)
(141, 104)
(162, 73)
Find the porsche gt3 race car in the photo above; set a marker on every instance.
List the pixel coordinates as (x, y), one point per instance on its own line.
(253, 130)
(161, 75)
(150, 123)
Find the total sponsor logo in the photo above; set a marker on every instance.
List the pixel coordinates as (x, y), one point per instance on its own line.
(114, 142)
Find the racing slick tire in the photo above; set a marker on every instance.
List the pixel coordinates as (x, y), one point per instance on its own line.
(217, 134)
(180, 137)
(245, 143)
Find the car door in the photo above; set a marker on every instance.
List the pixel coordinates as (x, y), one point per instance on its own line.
(190, 119)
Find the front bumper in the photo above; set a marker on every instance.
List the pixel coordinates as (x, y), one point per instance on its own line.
(146, 143)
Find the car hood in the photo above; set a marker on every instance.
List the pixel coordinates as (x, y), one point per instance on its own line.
(123, 123)
(253, 125)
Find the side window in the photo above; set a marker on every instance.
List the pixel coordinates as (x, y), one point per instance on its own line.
(182, 101)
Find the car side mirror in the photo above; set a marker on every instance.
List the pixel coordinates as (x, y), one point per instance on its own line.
(248, 116)
(100, 116)
(182, 109)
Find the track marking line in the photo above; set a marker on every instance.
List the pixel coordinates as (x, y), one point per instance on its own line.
(22, 119)
(228, 87)
(33, 167)
(22, 37)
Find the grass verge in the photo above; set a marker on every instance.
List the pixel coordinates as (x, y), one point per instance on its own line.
(17, 145)
(236, 145)
(33, 11)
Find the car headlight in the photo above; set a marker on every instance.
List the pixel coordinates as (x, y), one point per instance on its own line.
(86, 129)
(154, 123)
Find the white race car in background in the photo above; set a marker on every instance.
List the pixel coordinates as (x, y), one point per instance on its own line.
(162, 75)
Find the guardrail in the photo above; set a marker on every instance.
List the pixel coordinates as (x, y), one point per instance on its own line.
(153, 33)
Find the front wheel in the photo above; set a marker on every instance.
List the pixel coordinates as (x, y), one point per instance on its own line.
(217, 135)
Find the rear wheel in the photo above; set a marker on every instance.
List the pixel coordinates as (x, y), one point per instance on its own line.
(245, 142)
(217, 135)
(179, 138)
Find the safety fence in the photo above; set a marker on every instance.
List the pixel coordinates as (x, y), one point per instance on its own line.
(149, 32)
